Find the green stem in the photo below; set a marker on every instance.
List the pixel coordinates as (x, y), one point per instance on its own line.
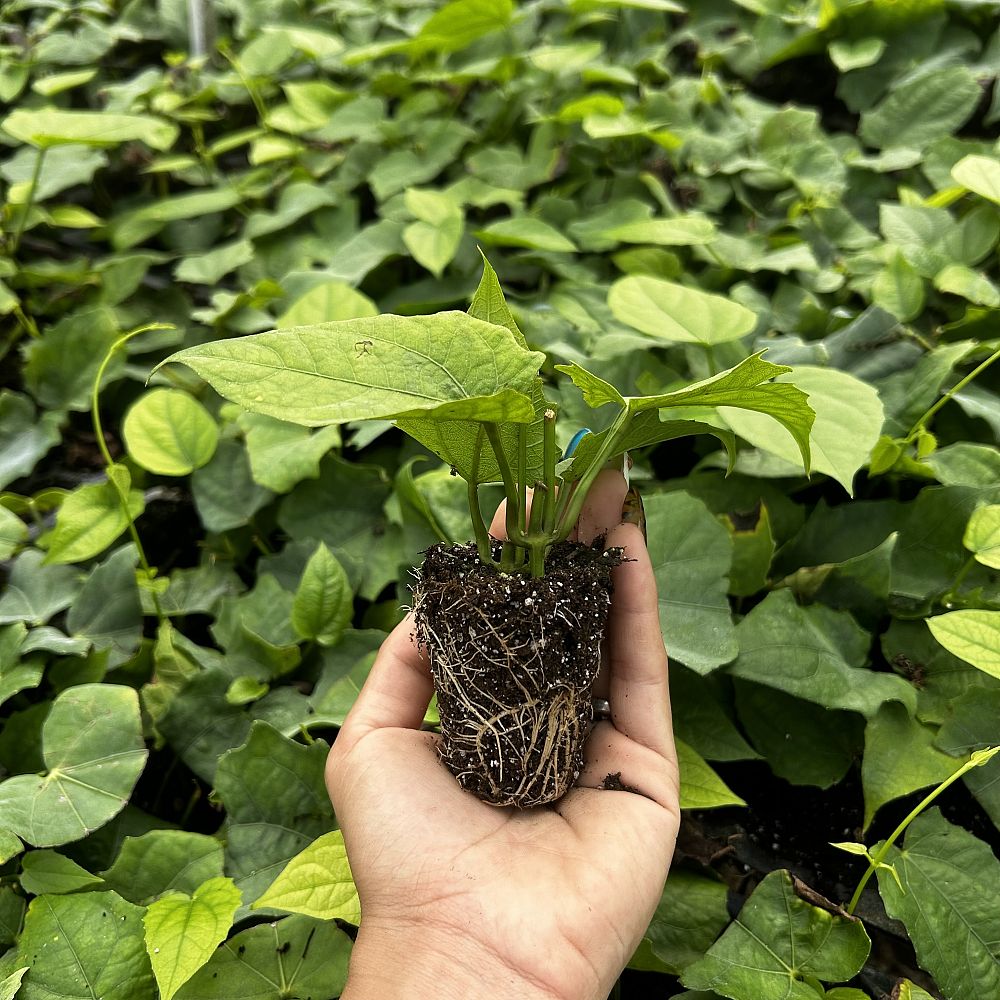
(571, 512)
(978, 758)
(29, 201)
(522, 477)
(95, 415)
(514, 534)
(959, 578)
(483, 542)
(957, 387)
(251, 87)
(549, 471)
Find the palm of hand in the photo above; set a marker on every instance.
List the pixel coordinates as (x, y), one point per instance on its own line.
(555, 897)
(521, 883)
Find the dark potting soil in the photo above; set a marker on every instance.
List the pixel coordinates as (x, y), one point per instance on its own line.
(514, 660)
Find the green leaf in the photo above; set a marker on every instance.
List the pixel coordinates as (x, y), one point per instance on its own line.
(169, 432)
(163, 861)
(461, 22)
(10, 847)
(980, 174)
(676, 313)
(225, 493)
(488, 303)
(48, 127)
(528, 232)
(446, 366)
(323, 604)
(899, 289)
(746, 387)
(35, 592)
(94, 752)
(182, 932)
(705, 725)
(847, 425)
(433, 240)
(91, 518)
(813, 653)
(922, 110)
(966, 464)
(973, 635)
(949, 903)
(209, 268)
(327, 303)
(108, 611)
(317, 882)
(276, 801)
(50, 872)
(596, 392)
(690, 915)
(701, 787)
(691, 554)
(296, 957)
(900, 757)
(690, 231)
(16, 672)
(282, 454)
(957, 279)
(753, 550)
(10, 986)
(982, 535)
(83, 946)
(803, 743)
(23, 438)
(776, 941)
(137, 225)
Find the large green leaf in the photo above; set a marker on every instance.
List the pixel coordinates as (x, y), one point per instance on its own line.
(847, 425)
(54, 127)
(93, 749)
(317, 882)
(900, 757)
(92, 517)
(24, 439)
(691, 554)
(982, 535)
(447, 366)
(169, 432)
(677, 313)
(323, 604)
(922, 110)
(460, 22)
(803, 743)
(35, 592)
(83, 946)
(276, 802)
(747, 386)
(296, 957)
(48, 871)
(182, 931)
(813, 653)
(163, 861)
(949, 900)
(776, 941)
(980, 174)
(689, 917)
(972, 635)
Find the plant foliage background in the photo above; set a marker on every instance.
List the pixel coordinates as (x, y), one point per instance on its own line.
(168, 690)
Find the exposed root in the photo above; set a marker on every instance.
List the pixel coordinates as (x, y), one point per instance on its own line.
(514, 660)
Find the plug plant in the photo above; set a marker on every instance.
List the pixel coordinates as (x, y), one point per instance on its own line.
(513, 627)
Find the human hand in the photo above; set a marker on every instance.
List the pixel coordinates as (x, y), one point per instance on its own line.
(470, 900)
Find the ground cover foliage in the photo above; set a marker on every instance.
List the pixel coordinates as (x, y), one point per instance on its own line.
(193, 594)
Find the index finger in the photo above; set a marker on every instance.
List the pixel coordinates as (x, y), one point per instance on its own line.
(639, 694)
